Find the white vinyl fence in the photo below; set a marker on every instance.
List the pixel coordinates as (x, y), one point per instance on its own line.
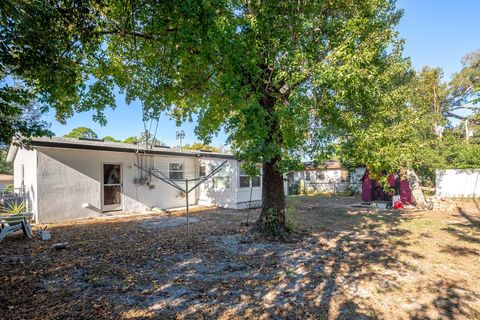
(458, 183)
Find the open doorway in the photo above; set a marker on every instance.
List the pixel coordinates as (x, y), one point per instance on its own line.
(112, 187)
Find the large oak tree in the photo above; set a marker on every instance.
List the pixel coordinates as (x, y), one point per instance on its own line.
(282, 78)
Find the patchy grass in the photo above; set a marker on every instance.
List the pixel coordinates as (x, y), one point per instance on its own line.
(351, 263)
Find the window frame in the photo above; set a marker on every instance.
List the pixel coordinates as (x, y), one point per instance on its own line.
(307, 176)
(174, 171)
(219, 177)
(202, 170)
(242, 174)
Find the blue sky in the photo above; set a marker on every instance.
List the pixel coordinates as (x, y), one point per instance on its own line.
(437, 33)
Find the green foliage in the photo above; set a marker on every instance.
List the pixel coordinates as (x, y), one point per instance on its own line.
(417, 133)
(132, 139)
(271, 225)
(15, 207)
(283, 79)
(5, 167)
(82, 132)
(465, 84)
(268, 73)
(20, 115)
(52, 46)
(111, 139)
(200, 146)
(48, 50)
(143, 139)
(146, 137)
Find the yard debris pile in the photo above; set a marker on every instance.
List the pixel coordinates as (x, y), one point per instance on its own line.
(353, 263)
(443, 204)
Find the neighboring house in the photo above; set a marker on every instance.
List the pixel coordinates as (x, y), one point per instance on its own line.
(330, 176)
(5, 180)
(66, 179)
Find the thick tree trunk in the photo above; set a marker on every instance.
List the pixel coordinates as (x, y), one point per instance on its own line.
(272, 217)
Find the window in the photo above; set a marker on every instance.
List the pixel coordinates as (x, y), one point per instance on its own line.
(245, 180)
(256, 181)
(176, 170)
(345, 176)
(320, 175)
(221, 180)
(202, 170)
(307, 175)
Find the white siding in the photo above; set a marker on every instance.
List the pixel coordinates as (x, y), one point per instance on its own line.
(327, 180)
(458, 183)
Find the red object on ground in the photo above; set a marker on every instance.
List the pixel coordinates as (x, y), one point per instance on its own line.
(398, 205)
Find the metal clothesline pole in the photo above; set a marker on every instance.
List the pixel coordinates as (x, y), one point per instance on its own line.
(162, 177)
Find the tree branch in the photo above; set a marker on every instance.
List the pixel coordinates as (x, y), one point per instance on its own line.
(124, 32)
(459, 117)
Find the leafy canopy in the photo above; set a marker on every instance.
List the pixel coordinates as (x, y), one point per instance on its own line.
(419, 133)
(82, 132)
(5, 167)
(200, 146)
(111, 139)
(281, 78)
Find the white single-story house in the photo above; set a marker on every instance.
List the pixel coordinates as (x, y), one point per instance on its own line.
(5, 180)
(330, 176)
(67, 178)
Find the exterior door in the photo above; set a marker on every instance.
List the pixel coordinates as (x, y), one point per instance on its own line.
(112, 187)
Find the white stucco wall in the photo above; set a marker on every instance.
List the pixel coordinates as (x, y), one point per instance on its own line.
(233, 197)
(207, 194)
(66, 184)
(458, 183)
(28, 160)
(68, 180)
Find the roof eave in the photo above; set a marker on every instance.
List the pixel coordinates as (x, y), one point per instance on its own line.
(53, 144)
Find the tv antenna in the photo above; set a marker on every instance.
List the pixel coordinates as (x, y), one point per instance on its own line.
(180, 135)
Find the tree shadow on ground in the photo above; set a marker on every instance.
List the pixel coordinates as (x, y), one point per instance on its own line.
(474, 221)
(469, 231)
(460, 251)
(449, 303)
(287, 280)
(349, 310)
(126, 269)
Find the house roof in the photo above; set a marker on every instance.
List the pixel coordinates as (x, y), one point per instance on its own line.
(6, 177)
(328, 165)
(91, 144)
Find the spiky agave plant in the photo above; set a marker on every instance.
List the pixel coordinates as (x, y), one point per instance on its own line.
(16, 207)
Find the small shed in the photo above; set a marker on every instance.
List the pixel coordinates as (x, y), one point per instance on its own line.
(372, 190)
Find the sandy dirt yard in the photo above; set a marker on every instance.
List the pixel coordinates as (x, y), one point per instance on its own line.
(344, 263)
